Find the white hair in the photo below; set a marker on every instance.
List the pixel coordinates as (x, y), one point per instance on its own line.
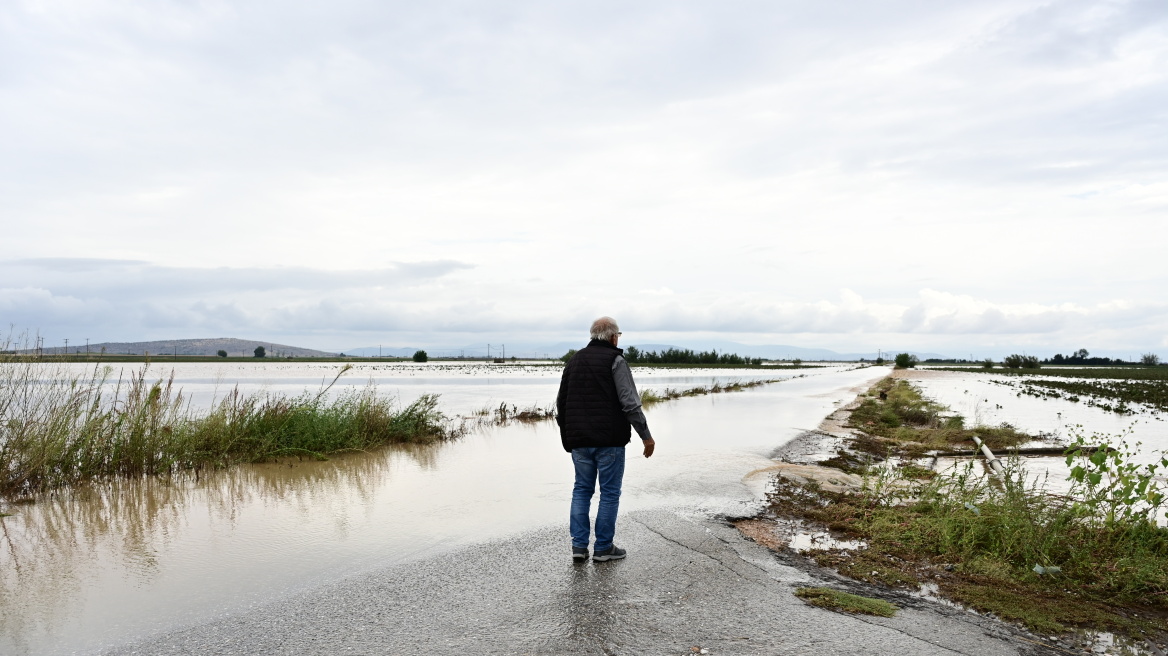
(604, 328)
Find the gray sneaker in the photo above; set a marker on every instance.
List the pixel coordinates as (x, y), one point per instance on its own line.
(579, 554)
(612, 553)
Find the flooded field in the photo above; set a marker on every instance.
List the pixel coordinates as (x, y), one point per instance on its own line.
(86, 569)
(991, 399)
(465, 387)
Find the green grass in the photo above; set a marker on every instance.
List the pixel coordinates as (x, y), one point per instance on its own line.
(60, 429)
(991, 535)
(846, 602)
(1095, 557)
(906, 423)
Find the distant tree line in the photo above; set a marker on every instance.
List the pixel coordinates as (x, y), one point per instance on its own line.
(1082, 357)
(1078, 358)
(680, 356)
(686, 356)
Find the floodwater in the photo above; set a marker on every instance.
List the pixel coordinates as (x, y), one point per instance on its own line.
(465, 386)
(983, 400)
(87, 569)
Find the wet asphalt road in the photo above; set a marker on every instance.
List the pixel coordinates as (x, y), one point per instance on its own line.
(690, 581)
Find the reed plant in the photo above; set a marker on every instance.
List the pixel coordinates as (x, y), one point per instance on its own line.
(60, 428)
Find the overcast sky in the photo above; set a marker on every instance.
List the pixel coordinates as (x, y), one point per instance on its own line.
(968, 177)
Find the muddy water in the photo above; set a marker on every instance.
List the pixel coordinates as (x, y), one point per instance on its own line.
(88, 569)
(978, 398)
(983, 401)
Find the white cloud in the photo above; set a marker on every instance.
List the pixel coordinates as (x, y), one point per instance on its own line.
(969, 171)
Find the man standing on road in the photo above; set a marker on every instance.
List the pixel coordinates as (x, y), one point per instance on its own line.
(597, 408)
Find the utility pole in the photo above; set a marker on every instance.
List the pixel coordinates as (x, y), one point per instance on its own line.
(504, 350)
(86, 348)
(66, 346)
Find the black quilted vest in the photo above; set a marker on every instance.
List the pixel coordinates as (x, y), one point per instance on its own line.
(591, 414)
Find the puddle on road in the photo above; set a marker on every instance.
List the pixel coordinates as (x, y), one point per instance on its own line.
(804, 541)
(779, 533)
(87, 569)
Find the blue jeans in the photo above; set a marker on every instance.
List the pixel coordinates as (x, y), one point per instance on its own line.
(606, 463)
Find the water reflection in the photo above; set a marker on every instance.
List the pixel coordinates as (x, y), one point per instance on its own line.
(56, 552)
(587, 603)
(99, 566)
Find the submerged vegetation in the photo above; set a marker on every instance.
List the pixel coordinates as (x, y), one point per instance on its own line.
(650, 396)
(1152, 394)
(504, 414)
(1112, 389)
(58, 428)
(1094, 557)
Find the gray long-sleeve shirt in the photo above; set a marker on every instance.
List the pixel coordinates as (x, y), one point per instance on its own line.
(630, 400)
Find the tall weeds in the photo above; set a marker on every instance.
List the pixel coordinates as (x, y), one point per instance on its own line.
(59, 428)
(1007, 544)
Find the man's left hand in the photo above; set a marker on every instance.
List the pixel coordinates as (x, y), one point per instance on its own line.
(649, 444)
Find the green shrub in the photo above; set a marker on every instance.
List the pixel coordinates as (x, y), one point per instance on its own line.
(906, 361)
(420, 356)
(1015, 361)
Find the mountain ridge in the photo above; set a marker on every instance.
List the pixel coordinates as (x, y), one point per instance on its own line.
(196, 346)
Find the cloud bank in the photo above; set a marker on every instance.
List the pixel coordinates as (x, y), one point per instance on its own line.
(988, 173)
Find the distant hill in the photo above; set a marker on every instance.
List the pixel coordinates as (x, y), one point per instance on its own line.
(205, 346)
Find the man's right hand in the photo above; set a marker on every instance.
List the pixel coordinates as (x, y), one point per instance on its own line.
(649, 444)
